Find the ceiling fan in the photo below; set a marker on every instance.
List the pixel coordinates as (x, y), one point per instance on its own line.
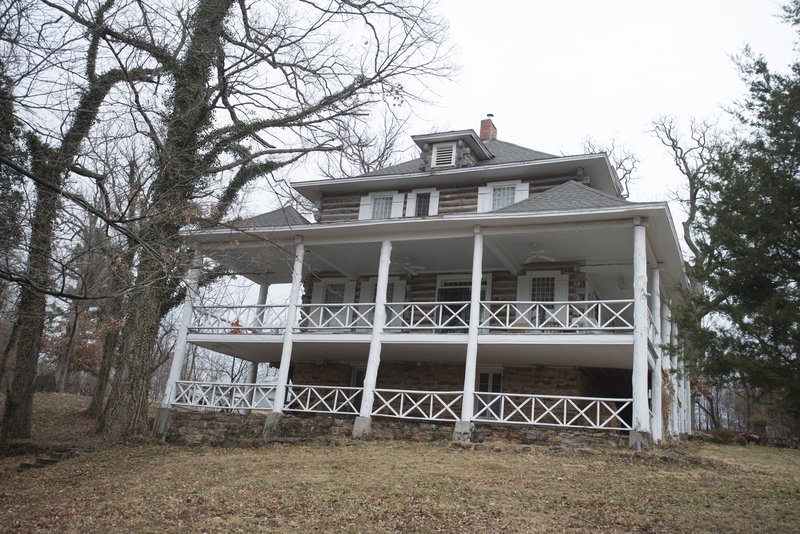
(411, 270)
(537, 254)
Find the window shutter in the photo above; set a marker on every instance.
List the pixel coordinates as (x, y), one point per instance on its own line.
(397, 204)
(349, 292)
(411, 204)
(399, 291)
(523, 287)
(484, 199)
(521, 192)
(434, 206)
(561, 291)
(365, 209)
(365, 294)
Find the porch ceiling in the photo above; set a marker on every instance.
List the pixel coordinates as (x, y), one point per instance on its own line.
(608, 351)
(607, 248)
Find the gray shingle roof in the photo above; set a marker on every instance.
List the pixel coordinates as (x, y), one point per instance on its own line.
(285, 216)
(502, 151)
(571, 195)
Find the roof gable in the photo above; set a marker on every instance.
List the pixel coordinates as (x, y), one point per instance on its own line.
(571, 195)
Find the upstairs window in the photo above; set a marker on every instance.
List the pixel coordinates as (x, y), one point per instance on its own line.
(443, 155)
(502, 196)
(498, 195)
(383, 205)
(422, 203)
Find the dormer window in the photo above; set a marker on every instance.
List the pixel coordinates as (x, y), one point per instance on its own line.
(444, 155)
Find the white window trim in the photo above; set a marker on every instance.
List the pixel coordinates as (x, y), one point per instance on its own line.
(318, 290)
(463, 278)
(411, 202)
(434, 150)
(367, 286)
(521, 192)
(365, 208)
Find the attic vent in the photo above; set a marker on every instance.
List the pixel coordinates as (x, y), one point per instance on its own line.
(444, 155)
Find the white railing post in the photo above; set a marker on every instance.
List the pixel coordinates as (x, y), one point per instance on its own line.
(657, 422)
(362, 425)
(641, 322)
(179, 354)
(463, 429)
(291, 316)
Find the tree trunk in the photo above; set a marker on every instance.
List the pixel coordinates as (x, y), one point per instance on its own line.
(31, 316)
(65, 359)
(112, 309)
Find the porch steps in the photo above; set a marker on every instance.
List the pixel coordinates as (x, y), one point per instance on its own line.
(53, 458)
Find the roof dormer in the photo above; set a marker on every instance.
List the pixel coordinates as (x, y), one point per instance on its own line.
(451, 150)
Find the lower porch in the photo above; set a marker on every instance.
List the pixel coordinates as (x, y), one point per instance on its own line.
(543, 396)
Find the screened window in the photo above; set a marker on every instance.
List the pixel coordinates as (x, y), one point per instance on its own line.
(382, 207)
(423, 205)
(502, 196)
(543, 289)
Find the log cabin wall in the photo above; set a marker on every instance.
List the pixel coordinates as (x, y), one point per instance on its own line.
(453, 199)
(422, 288)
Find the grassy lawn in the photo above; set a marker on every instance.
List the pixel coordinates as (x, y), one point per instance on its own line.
(380, 487)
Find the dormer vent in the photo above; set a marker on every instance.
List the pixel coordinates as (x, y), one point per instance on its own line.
(444, 155)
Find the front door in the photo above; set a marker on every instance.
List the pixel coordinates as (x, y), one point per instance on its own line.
(489, 382)
(456, 315)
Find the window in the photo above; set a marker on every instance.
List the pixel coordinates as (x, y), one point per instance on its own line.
(383, 205)
(502, 196)
(498, 195)
(544, 286)
(331, 295)
(422, 203)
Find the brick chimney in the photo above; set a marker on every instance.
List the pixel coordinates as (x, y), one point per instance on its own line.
(488, 130)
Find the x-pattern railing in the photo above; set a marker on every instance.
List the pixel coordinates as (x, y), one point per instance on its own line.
(223, 395)
(607, 315)
(552, 410)
(424, 405)
(441, 316)
(255, 319)
(335, 316)
(323, 399)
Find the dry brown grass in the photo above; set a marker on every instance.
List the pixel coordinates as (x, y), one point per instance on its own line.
(389, 487)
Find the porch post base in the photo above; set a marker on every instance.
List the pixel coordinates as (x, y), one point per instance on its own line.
(643, 440)
(270, 424)
(161, 423)
(462, 431)
(362, 427)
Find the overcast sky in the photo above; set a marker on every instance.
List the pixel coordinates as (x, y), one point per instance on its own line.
(555, 73)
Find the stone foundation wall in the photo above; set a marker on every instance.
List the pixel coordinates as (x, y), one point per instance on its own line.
(448, 377)
(215, 428)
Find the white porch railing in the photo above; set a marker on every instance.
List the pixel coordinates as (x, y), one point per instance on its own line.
(552, 410)
(590, 315)
(424, 405)
(438, 316)
(255, 319)
(232, 396)
(335, 317)
(598, 316)
(323, 399)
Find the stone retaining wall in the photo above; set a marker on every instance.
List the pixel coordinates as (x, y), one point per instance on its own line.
(237, 430)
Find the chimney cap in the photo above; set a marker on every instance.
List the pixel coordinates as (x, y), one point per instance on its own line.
(490, 115)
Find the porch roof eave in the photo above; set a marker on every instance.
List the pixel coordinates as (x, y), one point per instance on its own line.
(661, 231)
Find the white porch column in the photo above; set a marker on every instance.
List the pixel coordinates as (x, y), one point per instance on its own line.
(179, 355)
(665, 358)
(362, 425)
(687, 391)
(657, 421)
(640, 429)
(291, 319)
(263, 291)
(676, 388)
(463, 428)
